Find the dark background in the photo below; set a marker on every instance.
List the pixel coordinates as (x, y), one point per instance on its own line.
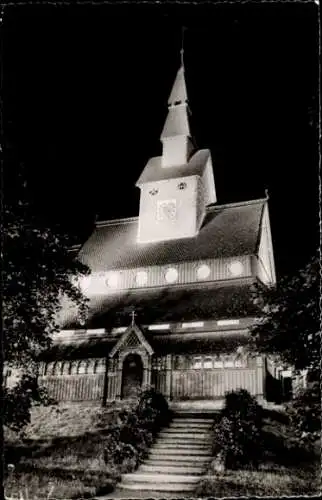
(85, 92)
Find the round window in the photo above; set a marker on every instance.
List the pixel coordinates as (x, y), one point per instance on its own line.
(141, 278)
(112, 280)
(236, 268)
(171, 275)
(85, 282)
(203, 272)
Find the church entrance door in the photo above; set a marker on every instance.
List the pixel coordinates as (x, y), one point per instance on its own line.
(132, 376)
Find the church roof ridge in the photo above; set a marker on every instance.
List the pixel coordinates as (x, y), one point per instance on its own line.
(213, 208)
(113, 222)
(245, 203)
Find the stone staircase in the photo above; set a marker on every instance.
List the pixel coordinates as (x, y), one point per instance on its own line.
(177, 459)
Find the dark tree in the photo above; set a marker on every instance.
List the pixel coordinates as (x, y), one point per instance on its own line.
(38, 271)
(290, 329)
(290, 319)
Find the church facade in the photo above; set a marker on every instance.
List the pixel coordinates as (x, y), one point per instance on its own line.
(170, 290)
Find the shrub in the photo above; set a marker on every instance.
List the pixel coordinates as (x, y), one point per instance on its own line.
(238, 435)
(305, 414)
(153, 409)
(133, 433)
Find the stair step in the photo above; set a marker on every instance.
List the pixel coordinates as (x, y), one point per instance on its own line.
(176, 461)
(181, 440)
(180, 451)
(189, 423)
(208, 421)
(184, 435)
(181, 488)
(185, 413)
(187, 430)
(156, 479)
(172, 469)
(190, 446)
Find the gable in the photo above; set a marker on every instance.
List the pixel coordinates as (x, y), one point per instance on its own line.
(265, 265)
(132, 338)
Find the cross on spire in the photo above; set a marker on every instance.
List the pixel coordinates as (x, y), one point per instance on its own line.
(133, 315)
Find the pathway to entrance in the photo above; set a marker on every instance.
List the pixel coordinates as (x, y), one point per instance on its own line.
(176, 461)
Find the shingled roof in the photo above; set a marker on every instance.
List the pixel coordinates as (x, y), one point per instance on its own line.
(92, 346)
(228, 231)
(216, 300)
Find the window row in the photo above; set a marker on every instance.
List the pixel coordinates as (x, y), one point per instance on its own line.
(75, 367)
(171, 275)
(210, 362)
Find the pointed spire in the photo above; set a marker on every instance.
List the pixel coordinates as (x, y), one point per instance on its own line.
(176, 136)
(179, 91)
(177, 122)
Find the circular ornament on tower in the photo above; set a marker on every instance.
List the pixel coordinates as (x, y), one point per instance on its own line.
(171, 275)
(236, 268)
(182, 185)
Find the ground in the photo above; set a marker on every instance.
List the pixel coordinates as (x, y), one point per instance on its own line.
(62, 449)
(61, 456)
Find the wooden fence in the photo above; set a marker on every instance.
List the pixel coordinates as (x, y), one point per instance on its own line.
(75, 387)
(209, 384)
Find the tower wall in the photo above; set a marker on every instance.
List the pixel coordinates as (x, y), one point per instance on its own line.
(176, 151)
(168, 209)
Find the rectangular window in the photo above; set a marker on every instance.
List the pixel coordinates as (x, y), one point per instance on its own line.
(229, 363)
(197, 363)
(218, 363)
(240, 363)
(208, 363)
(227, 322)
(194, 324)
(159, 327)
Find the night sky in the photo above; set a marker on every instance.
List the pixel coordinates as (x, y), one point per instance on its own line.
(85, 92)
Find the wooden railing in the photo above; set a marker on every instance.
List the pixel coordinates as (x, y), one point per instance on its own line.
(74, 387)
(209, 384)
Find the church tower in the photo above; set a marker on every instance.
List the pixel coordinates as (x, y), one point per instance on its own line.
(175, 137)
(177, 186)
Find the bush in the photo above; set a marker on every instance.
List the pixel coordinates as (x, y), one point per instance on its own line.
(238, 435)
(132, 435)
(305, 414)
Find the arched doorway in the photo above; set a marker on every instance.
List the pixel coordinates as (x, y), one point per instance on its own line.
(132, 376)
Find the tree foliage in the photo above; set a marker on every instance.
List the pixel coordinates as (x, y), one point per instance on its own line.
(131, 435)
(38, 270)
(305, 414)
(289, 326)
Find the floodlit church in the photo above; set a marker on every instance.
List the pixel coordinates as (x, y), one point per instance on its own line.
(170, 289)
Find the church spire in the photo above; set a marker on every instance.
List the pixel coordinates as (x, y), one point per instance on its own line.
(179, 91)
(176, 136)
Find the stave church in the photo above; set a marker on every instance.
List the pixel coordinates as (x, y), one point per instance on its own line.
(170, 290)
